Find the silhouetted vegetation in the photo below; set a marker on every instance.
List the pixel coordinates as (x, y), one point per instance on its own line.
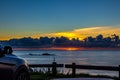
(112, 41)
(99, 41)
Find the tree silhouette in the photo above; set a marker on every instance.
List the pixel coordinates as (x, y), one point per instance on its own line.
(98, 41)
(99, 38)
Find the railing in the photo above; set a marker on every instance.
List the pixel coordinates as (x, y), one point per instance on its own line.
(54, 66)
(91, 67)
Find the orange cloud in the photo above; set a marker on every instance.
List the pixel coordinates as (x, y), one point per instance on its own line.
(82, 33)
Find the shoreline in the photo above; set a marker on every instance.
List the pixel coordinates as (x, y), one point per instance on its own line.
(68, 49)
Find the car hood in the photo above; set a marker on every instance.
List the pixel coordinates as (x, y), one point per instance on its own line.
(13, 59)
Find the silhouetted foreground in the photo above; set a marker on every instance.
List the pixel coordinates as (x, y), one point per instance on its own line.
(73, 66)
(99, 41)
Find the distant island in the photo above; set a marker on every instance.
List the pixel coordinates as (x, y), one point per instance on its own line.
(90, 42)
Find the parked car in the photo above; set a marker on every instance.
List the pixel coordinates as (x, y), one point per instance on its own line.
(11, 66)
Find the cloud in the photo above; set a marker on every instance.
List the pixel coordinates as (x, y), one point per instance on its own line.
(82, 33)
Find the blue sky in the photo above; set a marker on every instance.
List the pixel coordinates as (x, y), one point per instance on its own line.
(20, 18)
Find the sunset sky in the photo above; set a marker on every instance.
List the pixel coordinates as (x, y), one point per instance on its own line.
(70, 18)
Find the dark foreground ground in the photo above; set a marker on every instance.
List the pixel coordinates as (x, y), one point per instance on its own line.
(49, 76)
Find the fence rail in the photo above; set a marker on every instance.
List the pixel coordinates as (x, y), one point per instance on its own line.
(45, 65)
(109, 68)
(54, 66)
(91, 67)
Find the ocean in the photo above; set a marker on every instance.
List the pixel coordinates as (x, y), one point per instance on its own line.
(92, 57)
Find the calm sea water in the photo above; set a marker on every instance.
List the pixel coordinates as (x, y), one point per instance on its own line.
(106, 58)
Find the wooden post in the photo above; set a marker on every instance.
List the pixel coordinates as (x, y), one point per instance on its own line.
(48, 70)
(73, 69)
(54, 70)
(119, 73)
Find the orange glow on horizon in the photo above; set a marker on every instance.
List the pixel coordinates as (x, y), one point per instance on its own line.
(72, 49)
(66, 48)
(52, 48)
(80, 33)
(67, 34)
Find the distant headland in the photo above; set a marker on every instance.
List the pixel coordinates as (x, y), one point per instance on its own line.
(63, 43)
(67, 49)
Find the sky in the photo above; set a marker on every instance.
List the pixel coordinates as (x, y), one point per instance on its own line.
(55, 18)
